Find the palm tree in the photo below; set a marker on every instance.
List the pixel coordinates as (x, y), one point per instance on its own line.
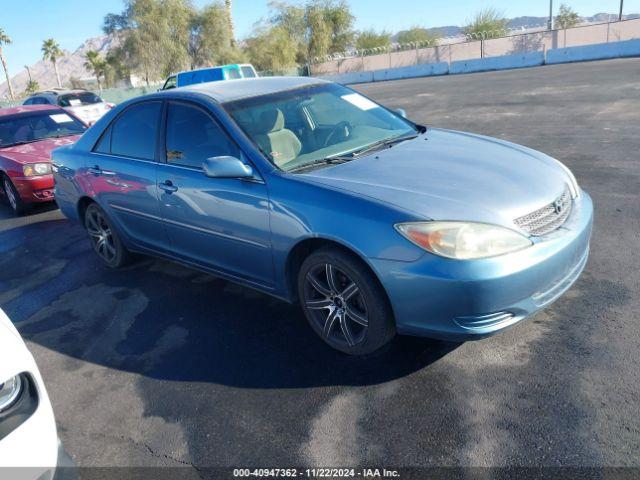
(95, 64)
(5, 40)
(227, 4)
(51, 51)
(32, 87)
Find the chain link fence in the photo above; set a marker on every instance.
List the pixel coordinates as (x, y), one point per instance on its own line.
(474, 46)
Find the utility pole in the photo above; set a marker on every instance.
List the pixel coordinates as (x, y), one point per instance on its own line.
(620, 15)
(29, 72)
(550, 22)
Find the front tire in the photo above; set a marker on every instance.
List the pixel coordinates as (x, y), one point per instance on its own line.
(344, 302)
(105, 241)
(16, 203)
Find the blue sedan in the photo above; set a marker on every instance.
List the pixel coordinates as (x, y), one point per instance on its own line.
(313, 193)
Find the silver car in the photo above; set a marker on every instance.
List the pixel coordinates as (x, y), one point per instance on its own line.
(84, 104)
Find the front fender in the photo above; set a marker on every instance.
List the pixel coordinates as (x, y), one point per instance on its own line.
(304, 210)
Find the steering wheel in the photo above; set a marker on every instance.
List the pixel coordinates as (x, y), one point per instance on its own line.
(341, 131)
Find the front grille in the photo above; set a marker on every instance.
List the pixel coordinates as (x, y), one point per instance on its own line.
(547, 218)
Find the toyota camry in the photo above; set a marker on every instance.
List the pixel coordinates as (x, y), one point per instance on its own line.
(314, 193)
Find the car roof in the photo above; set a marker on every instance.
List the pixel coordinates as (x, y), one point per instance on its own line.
(60, 91)
(229, 90)
(26, 108)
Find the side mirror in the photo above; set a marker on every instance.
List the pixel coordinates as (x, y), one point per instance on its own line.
(401, 112)
(226, 167)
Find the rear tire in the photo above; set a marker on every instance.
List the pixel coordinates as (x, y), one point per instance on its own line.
(104, 238)
(344, 302)
(12, 196)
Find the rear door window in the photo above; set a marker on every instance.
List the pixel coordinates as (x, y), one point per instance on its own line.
(134, 133)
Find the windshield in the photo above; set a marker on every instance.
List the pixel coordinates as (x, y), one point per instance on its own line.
(78, 99)
(302, 127)
(172, 82)
(31, 127)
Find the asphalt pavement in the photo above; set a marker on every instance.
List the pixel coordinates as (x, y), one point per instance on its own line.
(159, 365)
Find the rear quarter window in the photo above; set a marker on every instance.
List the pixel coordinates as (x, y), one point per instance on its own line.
(104, 144)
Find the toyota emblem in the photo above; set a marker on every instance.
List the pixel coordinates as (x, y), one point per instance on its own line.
(558, 207)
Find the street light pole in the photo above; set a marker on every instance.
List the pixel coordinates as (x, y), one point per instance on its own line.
(550, 23)
(620, 15)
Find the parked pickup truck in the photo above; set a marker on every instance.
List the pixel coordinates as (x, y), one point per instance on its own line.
(210, 74)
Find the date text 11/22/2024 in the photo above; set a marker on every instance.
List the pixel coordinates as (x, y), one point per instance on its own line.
(317, 472)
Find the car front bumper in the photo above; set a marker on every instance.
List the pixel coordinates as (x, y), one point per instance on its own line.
(28, 436)
(35, 189)
(469, 299)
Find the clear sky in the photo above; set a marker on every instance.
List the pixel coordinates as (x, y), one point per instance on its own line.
(70, 22)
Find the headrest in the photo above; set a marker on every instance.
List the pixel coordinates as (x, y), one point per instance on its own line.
(270, 121)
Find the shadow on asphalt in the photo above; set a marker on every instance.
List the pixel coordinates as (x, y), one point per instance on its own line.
(6, 212)
(165, 321)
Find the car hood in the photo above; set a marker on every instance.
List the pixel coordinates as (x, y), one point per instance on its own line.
(37, 151)
(447, 175)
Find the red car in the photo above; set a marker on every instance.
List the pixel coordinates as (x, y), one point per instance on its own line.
(27, 136)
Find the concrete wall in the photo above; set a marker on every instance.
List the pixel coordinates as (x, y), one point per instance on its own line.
(412, 71)
(350, 78)
(531, 59)
(628, 48)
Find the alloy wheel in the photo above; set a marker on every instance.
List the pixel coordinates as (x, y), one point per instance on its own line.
(101, 235)
(336, 305)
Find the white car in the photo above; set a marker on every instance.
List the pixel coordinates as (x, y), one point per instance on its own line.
(85, 105)
(28, 436)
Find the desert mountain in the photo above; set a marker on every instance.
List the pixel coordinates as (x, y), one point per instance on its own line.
(71, 65)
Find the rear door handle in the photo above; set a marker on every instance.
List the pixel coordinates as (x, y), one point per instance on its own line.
(168, 186)
(96, 170)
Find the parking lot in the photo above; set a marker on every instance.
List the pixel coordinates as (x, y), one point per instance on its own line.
(161, 365)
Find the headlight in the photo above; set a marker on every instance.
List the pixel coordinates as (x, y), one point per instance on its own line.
(9, 392)
(33, 169)
(463, 240)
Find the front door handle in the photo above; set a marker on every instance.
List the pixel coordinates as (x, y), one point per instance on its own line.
(168, 186)
(96, 170)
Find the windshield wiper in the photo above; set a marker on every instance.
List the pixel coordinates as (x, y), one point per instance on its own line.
(334, 159)
(342, 158)
(389, 142)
